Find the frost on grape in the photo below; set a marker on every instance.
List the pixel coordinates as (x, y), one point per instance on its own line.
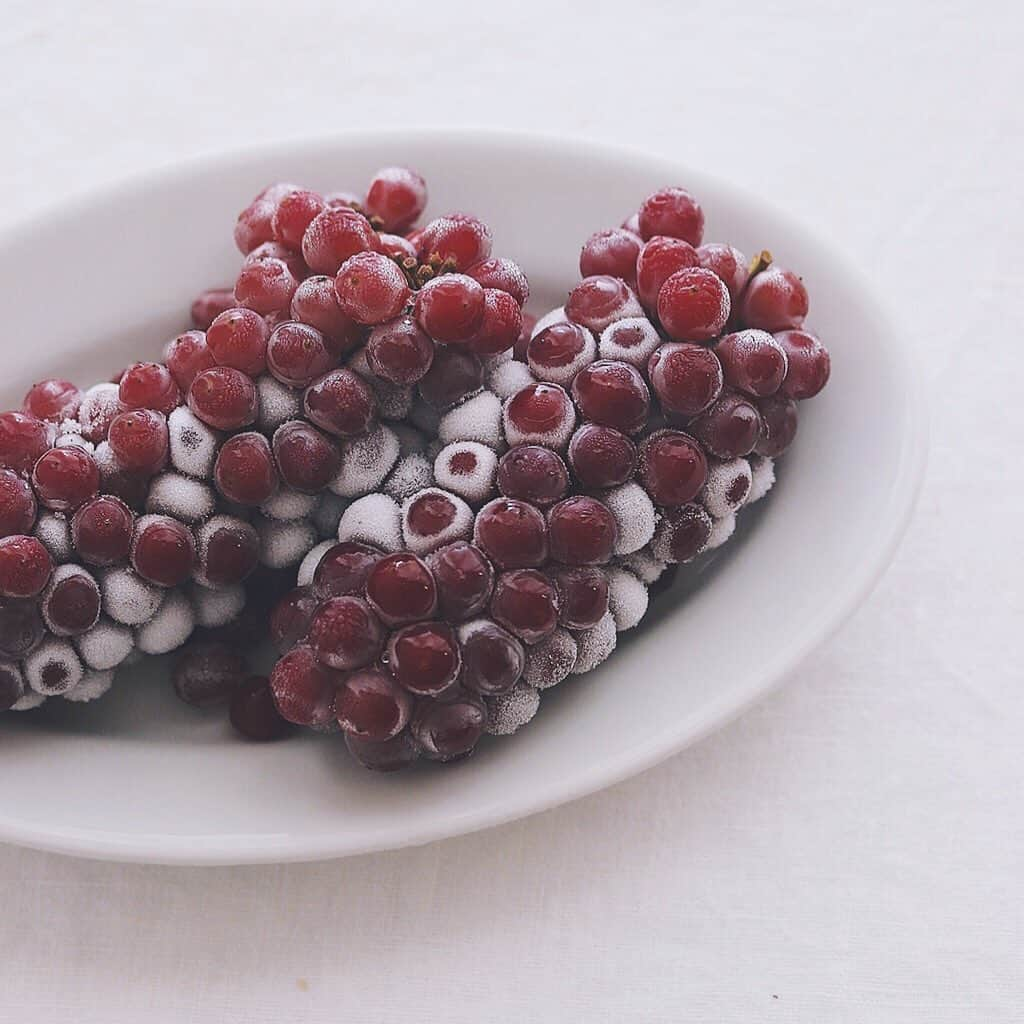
(169, 628)
(308, 565)
(283, 544)
(217, 607)
(509, 712)
(762, 473)
(468, 469)
(595, 645)
(186, 499)
(459, 524)
(193, 444)
(412, 473)
(375, 519)
(721, 530)
(476, 419)
(627, 598)
(551, 660)
(91, 686)
(127, 597)
(286, 505)
(634, 516)
(277, 403)
(365, 462)
(53, 667)
(53, 531)
(508, 378)
(727, 486)
(106, 645)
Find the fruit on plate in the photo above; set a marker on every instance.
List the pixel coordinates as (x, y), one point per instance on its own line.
(136, 513)
(435, 506)
(621, 439)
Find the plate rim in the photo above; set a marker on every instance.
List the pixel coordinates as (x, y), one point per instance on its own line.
(831, 614)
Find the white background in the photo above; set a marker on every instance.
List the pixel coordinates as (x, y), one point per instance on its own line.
(850, 850)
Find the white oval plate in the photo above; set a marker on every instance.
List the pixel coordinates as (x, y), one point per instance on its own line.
(138, 776)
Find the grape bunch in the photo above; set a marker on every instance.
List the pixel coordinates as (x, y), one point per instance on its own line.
(471, 504)
(621, 436)
(141, 510)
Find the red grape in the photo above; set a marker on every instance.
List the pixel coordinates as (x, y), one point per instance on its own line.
(315, 303)
(503, 274)
(244, 471)
(459, 237)
(492, 659)
(101, 530)
(464, 579)
(809, 364)
(163, 550)
(343, 569)
(341, 403)
(186, 356)
(501, 324)
(307, 459)
(693, 305)
(399, 352)
(659, 259)
(601, 456)
(613, 252)
(512, 534)
(65, 477)
(613, 394)
(526, 603)
(207, 306)
(778, 424)
(23, 439)
(581, 531)
(53, 400)
(371, 288)
(253, 712)
(25, 566)
(673, 467)
(425, 658)
(345, 633)
(223, 398)
(139, 440)
(449, 729)
(752, 361)
(238, 338)
(371, 705)
(686, 378)
(534, 474)
(401, 588)
(17, 504)
(333, 236)
(149, 386)
(450, 308)
(673, 212)
(293, 215)
(397, 195)
(304, 688)
(297, 354)
(774, 300)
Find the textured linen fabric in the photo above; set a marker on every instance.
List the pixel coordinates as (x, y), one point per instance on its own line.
(850, 849)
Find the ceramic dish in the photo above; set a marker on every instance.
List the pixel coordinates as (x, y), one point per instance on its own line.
(138, 776)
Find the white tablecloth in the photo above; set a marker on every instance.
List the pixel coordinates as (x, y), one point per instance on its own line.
(851, 849)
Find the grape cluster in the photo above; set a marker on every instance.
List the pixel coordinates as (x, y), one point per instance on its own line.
(622, 437)
(139, 510)
(471, 505)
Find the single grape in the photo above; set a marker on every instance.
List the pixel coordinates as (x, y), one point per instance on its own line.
(774, 300)
(673, 212)
(808, 364)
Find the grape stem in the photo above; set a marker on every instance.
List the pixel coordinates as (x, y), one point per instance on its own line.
(762, 261)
